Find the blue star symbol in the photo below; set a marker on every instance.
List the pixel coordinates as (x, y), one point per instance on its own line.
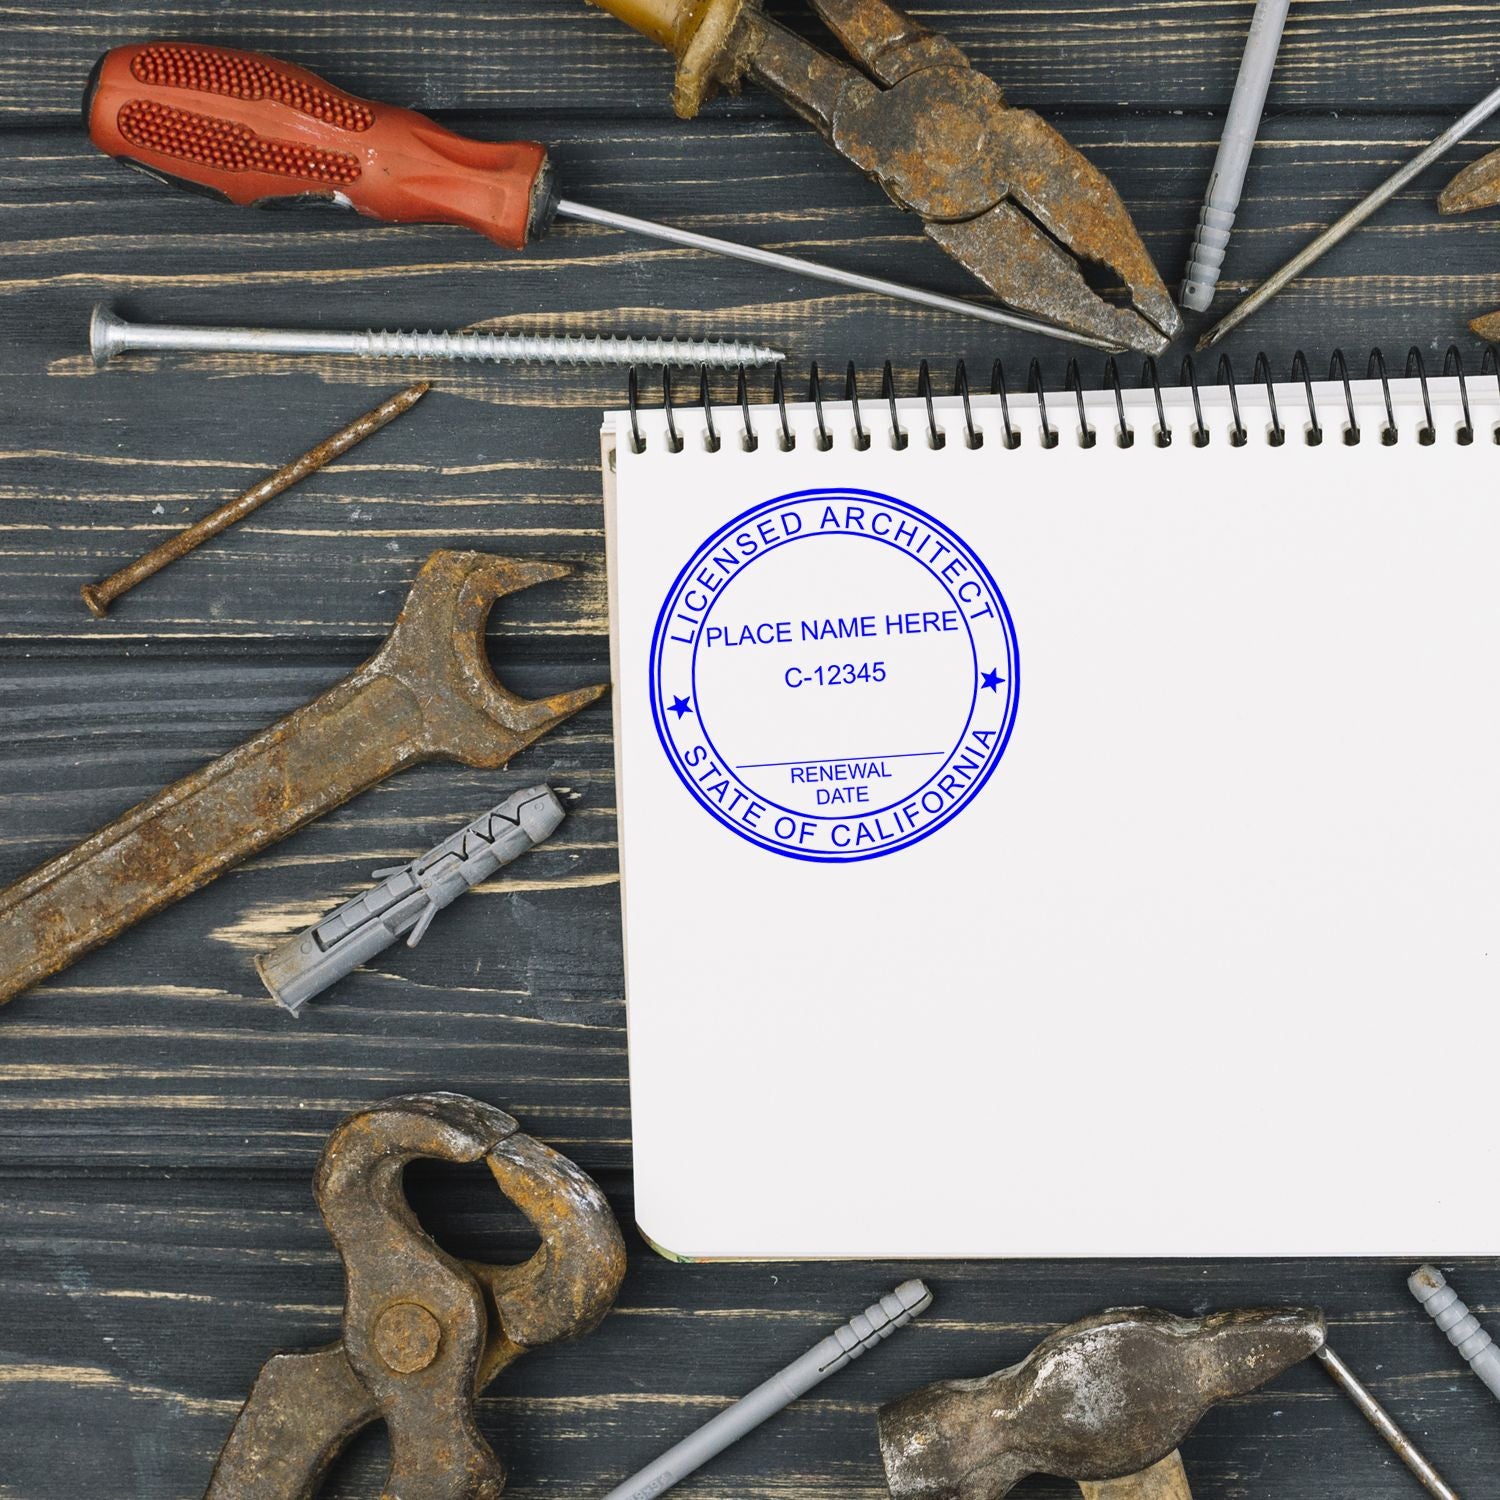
(992, 680)
(680, 706)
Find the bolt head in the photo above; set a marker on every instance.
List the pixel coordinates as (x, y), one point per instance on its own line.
(407, 1337)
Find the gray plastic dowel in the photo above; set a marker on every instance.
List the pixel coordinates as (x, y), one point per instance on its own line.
(1227, 182)
(1430, 1287)
(408, 897)
(875, 1323)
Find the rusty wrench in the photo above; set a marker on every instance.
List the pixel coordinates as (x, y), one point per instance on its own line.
(423, 1333)
(427, 694)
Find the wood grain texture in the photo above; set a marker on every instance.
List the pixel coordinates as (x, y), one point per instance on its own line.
(159, 1116)
(150, 1302)
(560, 57)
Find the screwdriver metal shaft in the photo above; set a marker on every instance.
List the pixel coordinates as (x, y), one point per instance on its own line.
(568, 209)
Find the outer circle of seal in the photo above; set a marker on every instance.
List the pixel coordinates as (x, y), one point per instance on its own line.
(996, 748)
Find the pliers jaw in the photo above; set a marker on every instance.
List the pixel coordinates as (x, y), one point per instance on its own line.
(423, 1333)
(1001, 191)
(1060, 210)
(1476, 187)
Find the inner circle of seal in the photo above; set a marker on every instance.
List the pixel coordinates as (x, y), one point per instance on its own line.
(1003, 619)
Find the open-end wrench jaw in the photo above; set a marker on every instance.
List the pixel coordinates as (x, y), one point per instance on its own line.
(438, 646)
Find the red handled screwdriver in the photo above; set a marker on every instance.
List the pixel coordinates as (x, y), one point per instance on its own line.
(253, 130)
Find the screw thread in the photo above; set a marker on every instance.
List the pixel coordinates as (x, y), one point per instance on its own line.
(525, 348)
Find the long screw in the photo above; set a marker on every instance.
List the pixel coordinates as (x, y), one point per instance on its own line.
(99, 596)
(1430, 1287)
(110, 335)
(1354, 218)
(1382, 1421)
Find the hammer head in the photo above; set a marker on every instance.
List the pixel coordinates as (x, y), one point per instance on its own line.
(1106, 1397)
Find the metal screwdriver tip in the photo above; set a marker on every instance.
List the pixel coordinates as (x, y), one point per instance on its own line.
(110, 335)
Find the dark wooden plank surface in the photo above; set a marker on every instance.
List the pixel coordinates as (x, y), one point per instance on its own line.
(566, 59)
(159, 1118)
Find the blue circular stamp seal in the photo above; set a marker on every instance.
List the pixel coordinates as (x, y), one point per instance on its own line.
(834, 675)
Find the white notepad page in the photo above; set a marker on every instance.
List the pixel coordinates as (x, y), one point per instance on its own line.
(1177, 926)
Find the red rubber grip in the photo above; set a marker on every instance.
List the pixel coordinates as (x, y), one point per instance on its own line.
(255, 130)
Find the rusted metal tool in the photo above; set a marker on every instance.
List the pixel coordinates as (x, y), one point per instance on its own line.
(996, 187)
(429, 693)
(423, 1333)
(1104, 1401)
(99, 596)
(1476, 187)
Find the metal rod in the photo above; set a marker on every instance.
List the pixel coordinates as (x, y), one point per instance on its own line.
(99, 596)
(1385, 1425)
(568, 209)
(110, 335)
(1354, 218)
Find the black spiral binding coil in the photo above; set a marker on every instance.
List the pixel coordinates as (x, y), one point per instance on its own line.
(1124, 434)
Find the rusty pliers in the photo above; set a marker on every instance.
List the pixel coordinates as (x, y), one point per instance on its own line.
(423, 1333)
(1476, 187)
(1001, 191)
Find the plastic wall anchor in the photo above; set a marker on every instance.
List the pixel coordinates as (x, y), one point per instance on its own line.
(1430, 1287)
(1206, 258)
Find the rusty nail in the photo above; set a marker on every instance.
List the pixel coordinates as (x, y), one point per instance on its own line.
(99, 596)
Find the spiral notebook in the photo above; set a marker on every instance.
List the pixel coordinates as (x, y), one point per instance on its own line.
(1065, 824)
